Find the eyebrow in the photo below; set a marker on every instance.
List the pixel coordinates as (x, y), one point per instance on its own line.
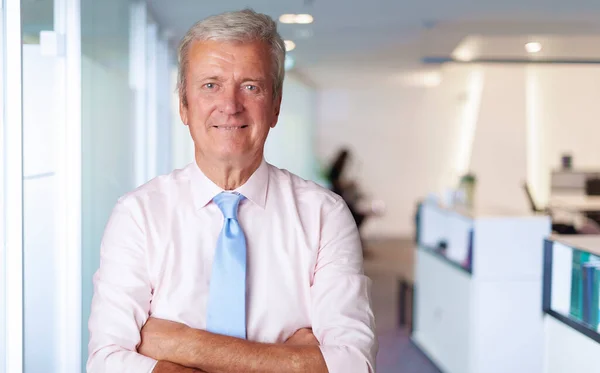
(216, 78)
(203, 79)
(253, 79)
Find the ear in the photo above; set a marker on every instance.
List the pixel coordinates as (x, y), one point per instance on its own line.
(277, 109)
(183, 110)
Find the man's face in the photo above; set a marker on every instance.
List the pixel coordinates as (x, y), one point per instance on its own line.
(230, 107)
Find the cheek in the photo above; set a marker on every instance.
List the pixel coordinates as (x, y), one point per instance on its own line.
(261, 111)
(199, 114)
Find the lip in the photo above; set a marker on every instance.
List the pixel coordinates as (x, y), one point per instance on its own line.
(231, 127)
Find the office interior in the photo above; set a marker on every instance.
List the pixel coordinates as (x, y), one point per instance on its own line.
(474, 154)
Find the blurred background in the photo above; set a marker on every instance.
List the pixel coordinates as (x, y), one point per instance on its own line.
(389, 103)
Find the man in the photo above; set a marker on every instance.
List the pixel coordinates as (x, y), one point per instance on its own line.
(231, 265)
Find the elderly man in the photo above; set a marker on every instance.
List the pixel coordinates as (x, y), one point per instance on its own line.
(231, 264)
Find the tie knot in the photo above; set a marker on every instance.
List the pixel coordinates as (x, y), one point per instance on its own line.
(228, 203)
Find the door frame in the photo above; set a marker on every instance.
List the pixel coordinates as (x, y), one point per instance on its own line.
(67, 28)
(12, 162)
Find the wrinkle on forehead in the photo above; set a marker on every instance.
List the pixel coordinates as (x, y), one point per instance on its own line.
(232, 62)
(231, 54)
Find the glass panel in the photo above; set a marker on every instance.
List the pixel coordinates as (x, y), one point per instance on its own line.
(126, 117)
(2, 206)
(107, 129)
(291, 146)
(40, 254)
(36, 16)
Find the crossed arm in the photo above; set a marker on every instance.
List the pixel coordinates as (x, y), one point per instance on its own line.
(341, 317)
(179, 348)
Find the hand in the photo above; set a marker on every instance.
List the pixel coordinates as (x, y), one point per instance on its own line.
(302, 337)
(161, 338)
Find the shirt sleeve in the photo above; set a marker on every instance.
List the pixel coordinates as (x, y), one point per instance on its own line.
(121, 302)
(342, 315)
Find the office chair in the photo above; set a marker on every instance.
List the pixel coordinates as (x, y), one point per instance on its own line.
(559, 228)
(532, 204)
(592, 188)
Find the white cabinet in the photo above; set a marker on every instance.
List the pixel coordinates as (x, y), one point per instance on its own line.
(484, 317)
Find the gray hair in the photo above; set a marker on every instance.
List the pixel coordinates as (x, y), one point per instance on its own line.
(239, 26)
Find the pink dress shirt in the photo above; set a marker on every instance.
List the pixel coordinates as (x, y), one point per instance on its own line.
(304, 268)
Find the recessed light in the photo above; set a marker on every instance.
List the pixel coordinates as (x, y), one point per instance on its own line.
(289, 45)
(464, 55)
(533, 47)
(432, 79)
(287, 18)
(421, 79)
(304, 19)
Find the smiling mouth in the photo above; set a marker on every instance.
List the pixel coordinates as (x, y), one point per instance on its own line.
(230, 128)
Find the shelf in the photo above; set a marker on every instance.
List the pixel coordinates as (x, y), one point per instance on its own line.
(443, 229)
(552, 264)
(575, 324)
(437, 254)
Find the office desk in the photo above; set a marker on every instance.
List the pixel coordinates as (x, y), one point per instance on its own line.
(575, 203)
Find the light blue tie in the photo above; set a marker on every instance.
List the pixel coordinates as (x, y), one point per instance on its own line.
(226, 310)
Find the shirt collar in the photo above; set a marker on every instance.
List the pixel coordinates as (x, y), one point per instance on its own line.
(255, 189)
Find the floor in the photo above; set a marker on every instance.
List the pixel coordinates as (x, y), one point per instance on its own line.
(396, 352)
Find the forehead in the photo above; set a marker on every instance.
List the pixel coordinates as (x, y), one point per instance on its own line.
(213, 56)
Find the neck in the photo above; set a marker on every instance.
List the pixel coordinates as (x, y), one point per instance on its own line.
(228, 175)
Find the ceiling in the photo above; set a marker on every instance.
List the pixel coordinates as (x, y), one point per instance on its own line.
(555, 48)
(392, 35)
(377, 37)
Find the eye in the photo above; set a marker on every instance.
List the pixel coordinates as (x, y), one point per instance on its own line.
(251, 87)
(209, 85)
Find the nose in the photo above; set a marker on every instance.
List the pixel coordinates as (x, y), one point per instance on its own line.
(230, 103)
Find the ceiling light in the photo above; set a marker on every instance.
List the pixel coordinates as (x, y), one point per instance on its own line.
(421, 79)
(304, 19)
(464, 55)
(432, 79)
(287, 18)
(289, 45)
(533, 47)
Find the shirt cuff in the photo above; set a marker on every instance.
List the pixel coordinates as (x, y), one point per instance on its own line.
(151, 363)
(345, 359)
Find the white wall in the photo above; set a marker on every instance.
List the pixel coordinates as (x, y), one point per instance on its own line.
(506, 123)
(529, 116)
(564, 100)
(499, 152)
(403, 138)
(291, 143)
(380, 126)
